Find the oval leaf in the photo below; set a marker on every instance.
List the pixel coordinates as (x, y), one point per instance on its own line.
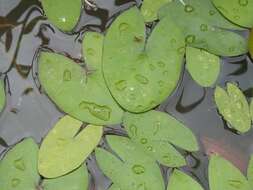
(157, 133)
(81, 94)
(64, 14)
(18, 168)
(66, 147)
(2, 96)
(223, 175)
(132, 69)
(138, 169)
(233, 106)
(204, 67)
(250, 171)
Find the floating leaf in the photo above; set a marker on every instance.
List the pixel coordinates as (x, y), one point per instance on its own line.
(18, 169)
(66, 147)
(150, 8)
(81, 94)
(223, 175)
(238, 11)
(234, 107)
(202, 30)
(63, 14)
(251, 109)
(250, 171)
(157, 133)
(181, 181)
(139, 170)
(204, 67)
(2, 96)
(141, 76)
(77, 180)
(251, 43)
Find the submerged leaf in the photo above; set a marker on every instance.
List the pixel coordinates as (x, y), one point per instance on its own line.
(223, 175)
(233, 106)
(66, 147)
(80, 93)
(204, 67)
(203, 28)
(63, 13)
(157, 133)
(139, 170)
(181, 181)
(238, 11)
(250, 171)
(18, 169)
(139, 75)
(2, 96)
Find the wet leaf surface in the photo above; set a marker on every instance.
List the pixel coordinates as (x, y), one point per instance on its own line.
(2, 96)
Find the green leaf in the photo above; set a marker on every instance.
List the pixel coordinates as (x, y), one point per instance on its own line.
(250, 171)
(139, 170)
(2, 96)
(181, 181)
(77, 180)
(80, 94)
(157, 133)
(204, 67)
(18, 169)
(251, 109)
(66, 147)
(223, 175)
(238, 11)
(114, 187)
(149, 9)
(64, 14)
(233, 106)
(204, 31)
(141, 75)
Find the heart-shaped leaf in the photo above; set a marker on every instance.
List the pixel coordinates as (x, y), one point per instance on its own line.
(82, 95)
(141, 75)
(202, 30)
(181, 181)
(250, 171)
(139, 170)
(77, 180)
(18, 169)
(204, 67)
(223, 175)
(63, 13)
(238, 11)
(233, 106)
(66, 146)
(157, 133)
(2, 96)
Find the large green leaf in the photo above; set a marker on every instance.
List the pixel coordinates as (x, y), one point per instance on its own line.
(202, 30)
(181, 181)
(250, 171)
(63, 13)
(131, 168)
(223, 175)
(2, 96)
(238, 11)
(77, 180)
(233, 106)
(204, 67)
(18, 169)
(83, 96)
(251, 109)
(251, 44)
(66, 147)
(141, 75)
(157, 133)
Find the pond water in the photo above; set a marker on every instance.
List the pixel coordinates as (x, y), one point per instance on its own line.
(29, 112)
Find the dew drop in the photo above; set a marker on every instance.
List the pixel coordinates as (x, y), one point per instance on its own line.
(236, 17)
(144, 141)
(15, 182)
(190, 39)
(141, 79)
(165, 73)
(181, 50)
(239, 105)
(121, 85)
(133, 130)
(141, 186)
(161, 64)
(188, 8)
(123, 27)
(203, 27)
(19, 164)
(151, 67)
(138, 169)
(211, 12)
(157, 127)
(66, 75)
(243, 3)
(150, 148)
(90, 51)
(161, 83)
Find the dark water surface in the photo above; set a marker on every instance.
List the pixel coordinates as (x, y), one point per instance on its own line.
(29, 112)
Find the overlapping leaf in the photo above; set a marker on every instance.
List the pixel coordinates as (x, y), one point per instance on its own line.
(2, 96)
(157, 133)
(250, 171)
(66, 147)
(251, 44)
(131, 168)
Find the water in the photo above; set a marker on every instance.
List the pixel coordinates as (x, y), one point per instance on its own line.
(29, 112)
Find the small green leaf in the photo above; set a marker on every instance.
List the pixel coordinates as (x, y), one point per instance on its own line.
(250, 171)
(223, 175)
(157, 133)
(2, 96)
(18, 169)
(233, 106)
(80, 93)
(141, 75)
(66, 147)
(77, 180)
(204, 67)
(181, 181)
(238, 11)
(131, 168)
(251, 109)
(64, 14)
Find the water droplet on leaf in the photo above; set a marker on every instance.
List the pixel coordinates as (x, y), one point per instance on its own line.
(138, 169)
